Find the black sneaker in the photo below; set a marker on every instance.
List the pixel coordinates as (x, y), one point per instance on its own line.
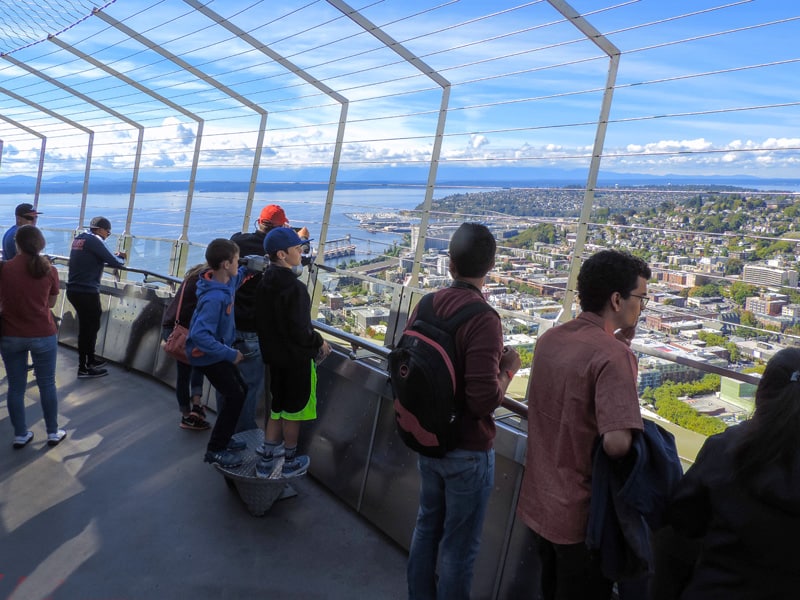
(97, 363)
(91, 373)
(194, 422)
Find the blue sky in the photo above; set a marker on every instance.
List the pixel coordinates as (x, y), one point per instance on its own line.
(704, 88)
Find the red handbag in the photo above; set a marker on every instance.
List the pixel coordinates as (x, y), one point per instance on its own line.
(175, 345)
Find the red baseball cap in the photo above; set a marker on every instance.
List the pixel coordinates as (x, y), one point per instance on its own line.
(272, 213)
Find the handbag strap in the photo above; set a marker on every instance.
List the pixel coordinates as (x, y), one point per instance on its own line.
(180, 302)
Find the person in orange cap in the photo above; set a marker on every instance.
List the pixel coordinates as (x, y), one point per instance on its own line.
(252, 367)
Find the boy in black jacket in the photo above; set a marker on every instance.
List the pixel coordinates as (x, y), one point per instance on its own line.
(289, 345)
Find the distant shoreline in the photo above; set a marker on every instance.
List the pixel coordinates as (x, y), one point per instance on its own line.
(26, 185)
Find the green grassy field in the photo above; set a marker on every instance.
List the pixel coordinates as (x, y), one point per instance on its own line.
(688, 442)
(518, 388)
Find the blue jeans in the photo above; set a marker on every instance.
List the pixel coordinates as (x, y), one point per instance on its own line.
(188, 385)
(15, 356)
(252, 371)
(454, 493)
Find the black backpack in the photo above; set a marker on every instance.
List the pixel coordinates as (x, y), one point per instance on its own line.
(427, 390)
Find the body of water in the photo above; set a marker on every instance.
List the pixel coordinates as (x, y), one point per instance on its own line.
(161, 217)
(158, 218)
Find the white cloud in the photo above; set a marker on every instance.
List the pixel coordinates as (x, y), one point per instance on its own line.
(541, 114)
(476, 141)
(781, 143)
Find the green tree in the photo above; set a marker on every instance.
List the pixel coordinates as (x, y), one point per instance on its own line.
(740, 291)
(748, 319)
(705, 291)
(671, 408)
(525, 357)
(792, 211)
(541, 233)
(619, 219)
(712, 339)
(734, 266)
(733, 351)
(505, 266)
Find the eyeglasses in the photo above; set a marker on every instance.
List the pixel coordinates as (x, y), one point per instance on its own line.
(643, 299)
(29, 217)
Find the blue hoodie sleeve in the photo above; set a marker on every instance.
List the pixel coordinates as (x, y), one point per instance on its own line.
(203, 343)
(242, 275)
(9, 247)
(99, 249)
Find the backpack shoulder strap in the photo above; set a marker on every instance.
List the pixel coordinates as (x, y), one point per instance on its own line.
(426, 313)
(425, 310)
(464, 314)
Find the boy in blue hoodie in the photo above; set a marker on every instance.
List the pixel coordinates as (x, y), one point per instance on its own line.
(208, 346)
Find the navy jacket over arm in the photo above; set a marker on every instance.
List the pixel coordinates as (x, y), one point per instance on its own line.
(629, 498)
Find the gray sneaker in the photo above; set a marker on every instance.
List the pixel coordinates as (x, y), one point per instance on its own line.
(296, 466)
(224, 458)
(265, 468)
(266, 450)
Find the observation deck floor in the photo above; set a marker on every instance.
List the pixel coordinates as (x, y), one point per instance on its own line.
(125, 508)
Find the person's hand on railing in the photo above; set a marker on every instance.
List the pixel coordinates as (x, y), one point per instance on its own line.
(323, 353)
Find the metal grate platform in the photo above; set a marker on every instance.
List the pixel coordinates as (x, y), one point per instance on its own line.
(257, 494)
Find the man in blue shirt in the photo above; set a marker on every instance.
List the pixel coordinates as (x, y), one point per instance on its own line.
(26, 214)
(87, 258)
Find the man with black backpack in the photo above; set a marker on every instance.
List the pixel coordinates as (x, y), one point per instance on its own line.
(455, 487)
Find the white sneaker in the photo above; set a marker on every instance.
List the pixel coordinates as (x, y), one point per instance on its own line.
(20, 441)
(53, 439)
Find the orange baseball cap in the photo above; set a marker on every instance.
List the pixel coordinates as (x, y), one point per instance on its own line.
(274, 214)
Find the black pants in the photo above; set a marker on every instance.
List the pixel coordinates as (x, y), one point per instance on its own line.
(87, 307)
(571, 572)
(225, 378)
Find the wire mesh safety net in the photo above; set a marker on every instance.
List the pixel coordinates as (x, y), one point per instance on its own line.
(27, 22)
